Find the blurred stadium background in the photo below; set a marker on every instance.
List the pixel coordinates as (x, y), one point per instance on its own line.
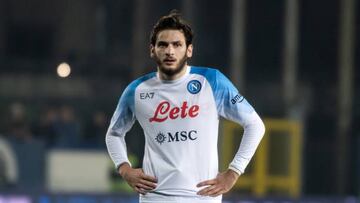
(64, 64)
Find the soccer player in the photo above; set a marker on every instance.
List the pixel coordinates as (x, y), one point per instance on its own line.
(178, 107)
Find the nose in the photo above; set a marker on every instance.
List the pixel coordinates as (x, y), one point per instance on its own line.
(169, 50)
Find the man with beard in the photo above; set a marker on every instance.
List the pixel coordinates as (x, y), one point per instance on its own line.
(178, 107)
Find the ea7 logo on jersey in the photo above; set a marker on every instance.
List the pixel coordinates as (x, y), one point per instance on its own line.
(147, 95)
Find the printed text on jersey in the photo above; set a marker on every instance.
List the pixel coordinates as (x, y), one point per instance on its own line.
(165, 111)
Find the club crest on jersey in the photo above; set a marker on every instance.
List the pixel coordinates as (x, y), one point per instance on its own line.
(194, 86)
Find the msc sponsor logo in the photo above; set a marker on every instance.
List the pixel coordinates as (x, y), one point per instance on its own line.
(179, 136)
(165, 111)
(160, 138)
(237, 99)
(194, 86)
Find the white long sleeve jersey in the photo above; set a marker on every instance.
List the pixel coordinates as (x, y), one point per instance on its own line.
(180, 119)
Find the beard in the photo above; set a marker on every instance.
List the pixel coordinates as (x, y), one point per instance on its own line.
(171, 71)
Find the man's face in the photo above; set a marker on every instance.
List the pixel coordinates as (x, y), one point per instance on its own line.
(170, 51)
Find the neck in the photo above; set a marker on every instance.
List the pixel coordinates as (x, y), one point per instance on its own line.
(178, 75)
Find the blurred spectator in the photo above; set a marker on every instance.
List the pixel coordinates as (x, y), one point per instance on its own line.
(45, 127)
(8, 165)
(66, 129)
(28, 150)
(94, 135)
(18, 127)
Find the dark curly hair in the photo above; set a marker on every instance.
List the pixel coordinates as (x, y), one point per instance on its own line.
(172, 21)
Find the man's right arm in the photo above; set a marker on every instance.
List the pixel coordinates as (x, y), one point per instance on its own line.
(121, 122)
(136, 178)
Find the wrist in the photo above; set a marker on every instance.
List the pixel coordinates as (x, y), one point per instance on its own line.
(234, 174)
(235, 170)
(123, 168)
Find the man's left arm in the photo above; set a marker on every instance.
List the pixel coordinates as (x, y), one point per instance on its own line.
(253, 132)
(233, 106)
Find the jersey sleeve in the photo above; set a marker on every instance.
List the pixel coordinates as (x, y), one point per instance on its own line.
(233, 106)
(230, 103)
(121, 122)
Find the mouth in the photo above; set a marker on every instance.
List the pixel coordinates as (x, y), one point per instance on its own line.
(169, 61)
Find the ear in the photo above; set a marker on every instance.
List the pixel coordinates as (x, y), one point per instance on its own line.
(152, 51)
(189, 51)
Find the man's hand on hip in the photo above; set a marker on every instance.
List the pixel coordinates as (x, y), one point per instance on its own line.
(221, 184)
(137, 179)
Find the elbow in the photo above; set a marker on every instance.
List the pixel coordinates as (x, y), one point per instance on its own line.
(262, 128)
(108, 136)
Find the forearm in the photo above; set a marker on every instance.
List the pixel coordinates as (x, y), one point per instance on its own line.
(116, 147)
(254, 130)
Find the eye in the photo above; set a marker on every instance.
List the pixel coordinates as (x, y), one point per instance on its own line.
(177, 44)
(162, 45)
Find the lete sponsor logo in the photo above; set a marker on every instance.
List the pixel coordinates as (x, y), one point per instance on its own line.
(165, 111)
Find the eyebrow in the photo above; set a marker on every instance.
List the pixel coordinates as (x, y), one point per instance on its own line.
(165, 42)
